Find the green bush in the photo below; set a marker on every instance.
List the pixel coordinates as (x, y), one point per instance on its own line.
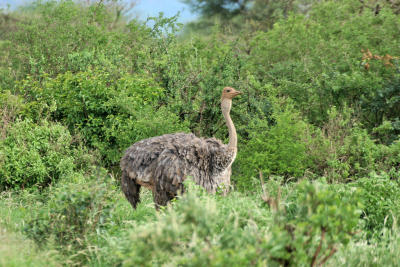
(74, 212)
(200, 230)
(278, 149)
(381, 199)
(309, 230)
(320, 100)
(11, 107)
(196, 230)
(351, 152)
(108, 112)
(362, 253)
(384, 109)
(58, 36)
(343, 151)
(35, 155)
(285, 144)
(317, 60)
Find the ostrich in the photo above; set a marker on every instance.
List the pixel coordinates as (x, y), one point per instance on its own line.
(162, 163)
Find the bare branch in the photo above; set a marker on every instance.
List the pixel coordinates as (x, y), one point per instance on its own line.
(314, 258)
(333, 250)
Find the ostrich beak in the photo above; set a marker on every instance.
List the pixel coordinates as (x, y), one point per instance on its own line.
(238, 93)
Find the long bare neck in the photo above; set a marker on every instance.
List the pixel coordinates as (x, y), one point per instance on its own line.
(226, 105)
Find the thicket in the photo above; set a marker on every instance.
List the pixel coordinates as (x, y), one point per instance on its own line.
(131, 81)
(215, 233)
(108, 112)
(75, 210)
(319, 121)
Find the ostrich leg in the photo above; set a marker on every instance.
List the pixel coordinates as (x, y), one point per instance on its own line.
(161, 197)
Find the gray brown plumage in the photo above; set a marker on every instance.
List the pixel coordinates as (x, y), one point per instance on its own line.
(162, 163)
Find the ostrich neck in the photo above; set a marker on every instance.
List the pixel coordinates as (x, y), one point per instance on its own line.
(226, 108)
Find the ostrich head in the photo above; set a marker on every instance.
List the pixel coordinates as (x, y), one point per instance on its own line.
(229, 93)
(226, 98)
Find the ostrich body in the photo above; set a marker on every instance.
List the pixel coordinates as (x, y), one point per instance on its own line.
(162, 163)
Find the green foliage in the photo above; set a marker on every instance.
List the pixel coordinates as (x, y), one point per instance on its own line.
(309, 231)
(321, 85)
(35, 155)
(199, 230)
(384, 111)
(384, 253)
(11, 107)
(380, 197)
(193, 75)
(351, 152)
(75, 211)
(317, 60)
(108, 112)
(16, 251)
(390, 156)
(278, 149)
(243, 15)
(195, 232)
(55, 37)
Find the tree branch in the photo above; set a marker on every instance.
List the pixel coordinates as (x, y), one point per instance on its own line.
(314, 259)
(333, 250)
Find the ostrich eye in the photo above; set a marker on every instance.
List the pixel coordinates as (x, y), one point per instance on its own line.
(228, 91)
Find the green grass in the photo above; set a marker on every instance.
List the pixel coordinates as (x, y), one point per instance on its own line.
(16, 250)
(386, 252)
(15, 208)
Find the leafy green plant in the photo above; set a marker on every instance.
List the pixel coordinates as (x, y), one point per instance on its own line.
(320, 103)
(11, 107)
(317, 61)
(35, 155)
(380, 197)
(108, 112)
(201, 230)
(372, 253)
(277, 149)
(56, 36)
(311, 229)
(342, 150)
(75, 211)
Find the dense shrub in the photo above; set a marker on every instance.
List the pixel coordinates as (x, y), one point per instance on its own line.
(57, 36)
(341, 151)
(381, 199)
(193, 75)
(309, 230)
(317, 60)
(278, 149)
(198, 230)
(108, 112)
(35, 155)
(363, 253)
(346, 149)
(11, 107)
(73, 213)
(384, 110)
